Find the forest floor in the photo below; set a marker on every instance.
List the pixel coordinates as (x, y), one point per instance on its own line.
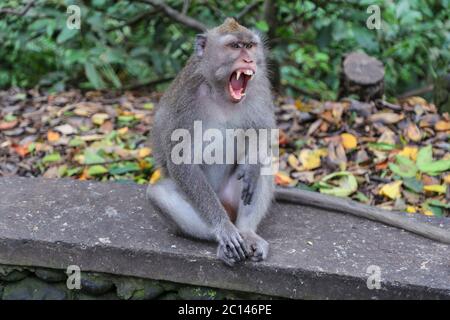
(391, 155)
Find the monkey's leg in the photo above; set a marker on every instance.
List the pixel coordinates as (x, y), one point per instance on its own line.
(166, 195)
(172, 203)
(250, 215)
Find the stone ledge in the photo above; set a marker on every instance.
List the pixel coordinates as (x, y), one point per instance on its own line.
(110, 228)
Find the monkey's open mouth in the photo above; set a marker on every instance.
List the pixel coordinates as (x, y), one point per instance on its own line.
(238, 83)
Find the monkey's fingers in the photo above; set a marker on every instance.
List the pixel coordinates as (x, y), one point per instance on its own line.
(239, 249)
(234, 251)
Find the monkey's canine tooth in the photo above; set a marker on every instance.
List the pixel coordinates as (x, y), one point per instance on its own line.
(238, 74)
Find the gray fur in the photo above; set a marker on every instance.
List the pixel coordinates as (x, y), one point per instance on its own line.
(189, 194)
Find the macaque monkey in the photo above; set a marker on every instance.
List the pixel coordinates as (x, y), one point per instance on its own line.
(225, 86)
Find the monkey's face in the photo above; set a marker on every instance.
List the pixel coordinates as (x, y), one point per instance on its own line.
(233, 61)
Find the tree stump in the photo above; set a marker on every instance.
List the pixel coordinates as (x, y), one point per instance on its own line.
(361, 75)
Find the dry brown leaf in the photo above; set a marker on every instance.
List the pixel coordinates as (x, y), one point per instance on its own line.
(413, 132)
(386, 117)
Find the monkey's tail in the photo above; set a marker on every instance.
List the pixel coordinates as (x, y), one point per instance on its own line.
(343, 205)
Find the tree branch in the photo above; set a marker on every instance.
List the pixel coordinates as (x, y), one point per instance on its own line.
(175, 15)
(134, 20)
(247, 9)
(18, 13)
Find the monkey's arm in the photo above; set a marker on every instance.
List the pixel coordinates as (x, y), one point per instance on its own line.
(249, 174)
(194, 184)
(347, 206)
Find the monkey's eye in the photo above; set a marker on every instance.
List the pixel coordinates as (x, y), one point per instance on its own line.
(235, 45)
(248, 45)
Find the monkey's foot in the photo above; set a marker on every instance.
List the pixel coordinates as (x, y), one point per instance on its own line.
(259, 248)
(226, 255)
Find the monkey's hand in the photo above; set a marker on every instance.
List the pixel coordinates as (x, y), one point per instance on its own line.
(232, 247)
(249, 175)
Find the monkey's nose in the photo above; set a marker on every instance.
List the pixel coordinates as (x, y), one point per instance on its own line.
(248, 60)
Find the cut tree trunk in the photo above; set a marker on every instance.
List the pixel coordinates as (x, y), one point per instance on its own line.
(361, 75)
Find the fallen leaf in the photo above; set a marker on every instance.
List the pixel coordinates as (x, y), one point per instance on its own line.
(436, 188)
(404, 167)
(156, 175)
(66, 129)
(53, 136)
(349, 141)
(21, 150)
(97, 170)
(386, 117)
(412, 101)
(53, 157)
(310, 159)
(148, 106)
(409, 152)
(413, 132)
(426, 164)
(7, 125)
(122, 131)
(144, 152)
(391, 190)
(411, 209)
(442, 125)
(293, 162)
(347, 184)
(99, 118)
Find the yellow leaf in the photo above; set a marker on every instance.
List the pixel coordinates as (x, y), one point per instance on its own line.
(99, 118)
(349, 141)
(144, 152)
(447, 179)
(53, 136)
(139, 116)
(84, 175)
(283, 179)
(293, 162)
(442, 125)
(411, 209)
(412, 101)
(409, 152)
(156, 175)
(391, 190)
(122, 131)
(310, 159)
(435, 188)
(428, 213)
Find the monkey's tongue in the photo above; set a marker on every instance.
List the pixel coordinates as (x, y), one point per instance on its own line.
(237, 86)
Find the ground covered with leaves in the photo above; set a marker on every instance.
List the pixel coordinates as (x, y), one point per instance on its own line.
(392, 155)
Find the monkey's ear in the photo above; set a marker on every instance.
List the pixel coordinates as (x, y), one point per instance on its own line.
(200, 43)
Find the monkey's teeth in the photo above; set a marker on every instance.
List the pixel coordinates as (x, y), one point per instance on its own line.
(238, 75)
(248, 72)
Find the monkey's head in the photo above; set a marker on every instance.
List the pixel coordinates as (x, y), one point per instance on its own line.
(231, 59)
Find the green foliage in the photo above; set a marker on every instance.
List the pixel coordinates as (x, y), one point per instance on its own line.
(125, 43)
